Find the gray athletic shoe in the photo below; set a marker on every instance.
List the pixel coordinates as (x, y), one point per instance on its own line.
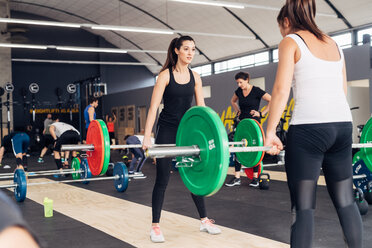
(156, 235)
(234, 182)
(209, 227)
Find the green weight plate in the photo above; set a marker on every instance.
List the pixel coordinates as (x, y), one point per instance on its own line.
(251, 131)
(201, 126)
(366, 137)
(75, 165)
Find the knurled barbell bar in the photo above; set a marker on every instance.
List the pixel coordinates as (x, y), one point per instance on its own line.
(120, 177)
(75, 172)
(201, 146)
(98, 147)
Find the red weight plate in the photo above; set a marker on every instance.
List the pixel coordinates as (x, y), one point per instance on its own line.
(249, 171)
(96, 157)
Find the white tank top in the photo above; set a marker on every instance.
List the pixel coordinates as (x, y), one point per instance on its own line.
(61, 127)
(318, 89)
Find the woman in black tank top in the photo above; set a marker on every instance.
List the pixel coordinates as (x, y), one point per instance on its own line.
(246, 102)
(176, 85)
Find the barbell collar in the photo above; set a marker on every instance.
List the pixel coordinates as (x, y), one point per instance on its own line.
(169, 152)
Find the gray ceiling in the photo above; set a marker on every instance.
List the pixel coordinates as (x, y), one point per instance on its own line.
(165, 14)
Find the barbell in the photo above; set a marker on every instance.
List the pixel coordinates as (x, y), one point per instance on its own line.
(202, 148)
(120, 177)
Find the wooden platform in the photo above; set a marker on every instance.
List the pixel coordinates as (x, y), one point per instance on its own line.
(130, 221)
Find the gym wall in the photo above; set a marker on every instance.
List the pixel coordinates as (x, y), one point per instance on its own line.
(50, 76)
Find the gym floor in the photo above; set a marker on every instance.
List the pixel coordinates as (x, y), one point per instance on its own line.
(96, 215)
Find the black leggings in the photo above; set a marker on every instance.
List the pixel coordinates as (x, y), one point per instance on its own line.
(309, 148)
(238, 166)
(167, 135)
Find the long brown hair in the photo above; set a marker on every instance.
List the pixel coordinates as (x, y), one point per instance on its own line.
(172, 57)
(300, 14)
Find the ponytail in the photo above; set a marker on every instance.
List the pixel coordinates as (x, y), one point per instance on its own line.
(301, 16)
(172, 57)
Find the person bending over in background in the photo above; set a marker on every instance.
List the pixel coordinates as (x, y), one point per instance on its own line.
(63, 134)
(18, 142)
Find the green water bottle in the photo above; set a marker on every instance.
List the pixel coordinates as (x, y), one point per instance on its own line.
(48, 207)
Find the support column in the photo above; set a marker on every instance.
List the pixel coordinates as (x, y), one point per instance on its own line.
(5, 64)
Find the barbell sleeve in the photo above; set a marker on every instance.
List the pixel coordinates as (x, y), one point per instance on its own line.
(250, 149)
(362, 145)
(4, 186)
(359, 176)
(82, 147)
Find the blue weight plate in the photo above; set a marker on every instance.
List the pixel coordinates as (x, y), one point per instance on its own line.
(20, 190)
(360, 168)
(85, 170)
(121, 184)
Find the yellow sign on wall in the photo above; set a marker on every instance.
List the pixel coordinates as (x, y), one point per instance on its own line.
(54, 111)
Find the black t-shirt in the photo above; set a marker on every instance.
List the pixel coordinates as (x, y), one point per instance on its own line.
(250, 102)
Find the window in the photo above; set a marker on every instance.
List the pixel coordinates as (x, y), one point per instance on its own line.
(261, 58)
(197, 69)
(343, 40)
(233, 64)
(220, 67)
(204, 70)
(275, 55)
(247, 61)
(361, 33)
(242, 62)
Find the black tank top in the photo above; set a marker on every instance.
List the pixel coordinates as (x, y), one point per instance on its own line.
(177, 100)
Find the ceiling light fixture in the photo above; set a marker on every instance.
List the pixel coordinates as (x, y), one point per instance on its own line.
(42, 23)
(242, 6)
(213, 3)
(83, 62)
(132, 29)
(80, 49)
(119, 28)
(9, 45)
(90, 49)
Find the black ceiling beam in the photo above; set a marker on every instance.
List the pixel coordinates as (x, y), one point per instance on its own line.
(248, 27)
(338, 13)
(88, 20)
(165, 24)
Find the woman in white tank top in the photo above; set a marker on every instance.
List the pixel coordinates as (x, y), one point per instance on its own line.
(320, 132)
